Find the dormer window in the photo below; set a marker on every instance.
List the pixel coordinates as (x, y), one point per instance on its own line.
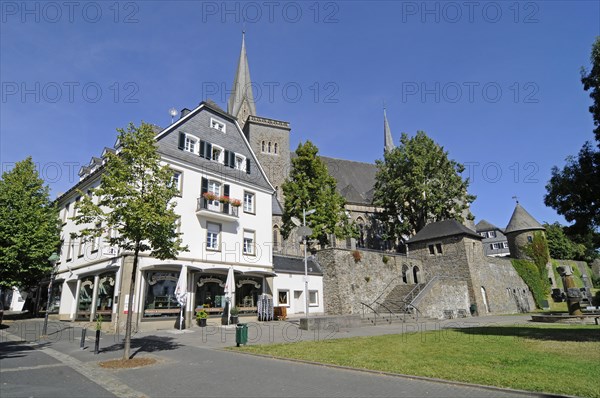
(190, 144)
(215, 124)
(217, 154)
(240, 162)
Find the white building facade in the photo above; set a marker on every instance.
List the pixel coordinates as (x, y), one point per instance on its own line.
(225, 209)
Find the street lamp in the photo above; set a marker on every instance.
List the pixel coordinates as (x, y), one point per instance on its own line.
(53, 259)
(305, 232)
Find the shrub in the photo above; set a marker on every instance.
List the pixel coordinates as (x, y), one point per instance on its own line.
(385, 259)
(530, 274)
(356, 255)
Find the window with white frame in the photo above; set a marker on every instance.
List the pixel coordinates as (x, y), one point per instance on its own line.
(81, 250)
(215, 124)
(66, 213)
(217, 154)
(240, 162)
(491, 234)
(249, 242)
(213, 232)
(191, 144)
(96, 240)
(283, 297)
(505, 245)
(214, 187)
(248, 202)
(70, 250)
(313, 298)
(75, 205)
(176, 180)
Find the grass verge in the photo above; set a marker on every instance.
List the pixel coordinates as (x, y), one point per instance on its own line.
(561, 359)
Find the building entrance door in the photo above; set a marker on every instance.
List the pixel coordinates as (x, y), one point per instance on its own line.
(298, 301)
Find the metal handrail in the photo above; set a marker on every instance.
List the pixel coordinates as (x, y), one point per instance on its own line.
(372, 309)
(384, 289)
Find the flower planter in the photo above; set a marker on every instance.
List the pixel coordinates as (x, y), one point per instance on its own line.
(202, 322)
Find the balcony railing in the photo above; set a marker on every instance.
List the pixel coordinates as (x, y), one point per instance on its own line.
(217, 209)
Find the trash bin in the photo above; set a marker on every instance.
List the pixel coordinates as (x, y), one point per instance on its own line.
(241, 334)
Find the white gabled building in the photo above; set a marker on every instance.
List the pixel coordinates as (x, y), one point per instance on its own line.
(209, 154)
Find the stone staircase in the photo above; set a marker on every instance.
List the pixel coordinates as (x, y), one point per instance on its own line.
(395, 307)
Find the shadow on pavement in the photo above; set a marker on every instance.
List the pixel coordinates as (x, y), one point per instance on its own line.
(17, 349)
(146, 344)
(565, 333)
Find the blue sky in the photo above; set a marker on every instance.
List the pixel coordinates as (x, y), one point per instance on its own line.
(496, 83)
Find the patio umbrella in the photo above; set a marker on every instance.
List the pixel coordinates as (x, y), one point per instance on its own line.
(181, 292)
(230, 292)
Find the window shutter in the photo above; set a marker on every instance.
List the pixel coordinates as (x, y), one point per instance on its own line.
(202, 148)
(204, 185)
(181, 140)
(226, 193)
(226, 157)
(208, 151)
(248, 166)
(231, 159)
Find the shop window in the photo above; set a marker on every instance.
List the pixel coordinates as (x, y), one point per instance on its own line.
(160, 300)
(106, 294)
(84, 305)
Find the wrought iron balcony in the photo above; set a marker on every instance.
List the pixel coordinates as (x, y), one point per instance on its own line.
(217, 210)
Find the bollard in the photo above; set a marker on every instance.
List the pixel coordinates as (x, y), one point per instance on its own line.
(97, 345)
(82, 344)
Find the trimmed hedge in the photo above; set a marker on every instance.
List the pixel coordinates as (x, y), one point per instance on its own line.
(530, 274)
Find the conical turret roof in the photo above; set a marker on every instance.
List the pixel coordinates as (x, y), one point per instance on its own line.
(521, 220)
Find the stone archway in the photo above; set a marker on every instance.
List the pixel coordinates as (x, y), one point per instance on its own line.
(405, 274)
(416, 274)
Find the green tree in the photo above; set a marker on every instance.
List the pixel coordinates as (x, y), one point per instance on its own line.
(574, 191)
(29, 227)
(134, 200)
(308, 187)
(561, 247)
(591, 82)
(417, 184)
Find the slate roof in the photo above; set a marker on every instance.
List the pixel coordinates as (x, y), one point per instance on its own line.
(197, 123)
(295, 265)
(443, 229)
(484, 225)
(276, 207)
(521, 220)
(355, 180)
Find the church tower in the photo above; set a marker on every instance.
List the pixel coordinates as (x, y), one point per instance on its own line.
(388, 141)
(241, 102)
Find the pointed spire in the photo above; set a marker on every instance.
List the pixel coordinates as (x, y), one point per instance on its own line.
(388, 141)
(241, 101)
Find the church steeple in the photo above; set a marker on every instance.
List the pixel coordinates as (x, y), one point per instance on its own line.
(388, 141)
(241, 101)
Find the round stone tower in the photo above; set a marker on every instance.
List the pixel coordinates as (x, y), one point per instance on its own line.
(519, 231)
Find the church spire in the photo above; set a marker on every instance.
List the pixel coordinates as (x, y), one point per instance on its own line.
(388, 141)
(241, 101)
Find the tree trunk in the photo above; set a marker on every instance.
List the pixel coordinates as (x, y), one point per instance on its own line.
(127, 346)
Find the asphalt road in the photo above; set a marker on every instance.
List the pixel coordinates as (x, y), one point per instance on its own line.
(56, 367)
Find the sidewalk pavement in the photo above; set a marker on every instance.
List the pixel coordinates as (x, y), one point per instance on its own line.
(190, 362)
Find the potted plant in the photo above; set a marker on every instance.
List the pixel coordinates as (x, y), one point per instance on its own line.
(234, 315)
(210, 196)
(201, 318)
(224, 199)
(236, 202)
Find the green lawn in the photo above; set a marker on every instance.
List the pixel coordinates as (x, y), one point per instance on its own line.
(562, 359)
